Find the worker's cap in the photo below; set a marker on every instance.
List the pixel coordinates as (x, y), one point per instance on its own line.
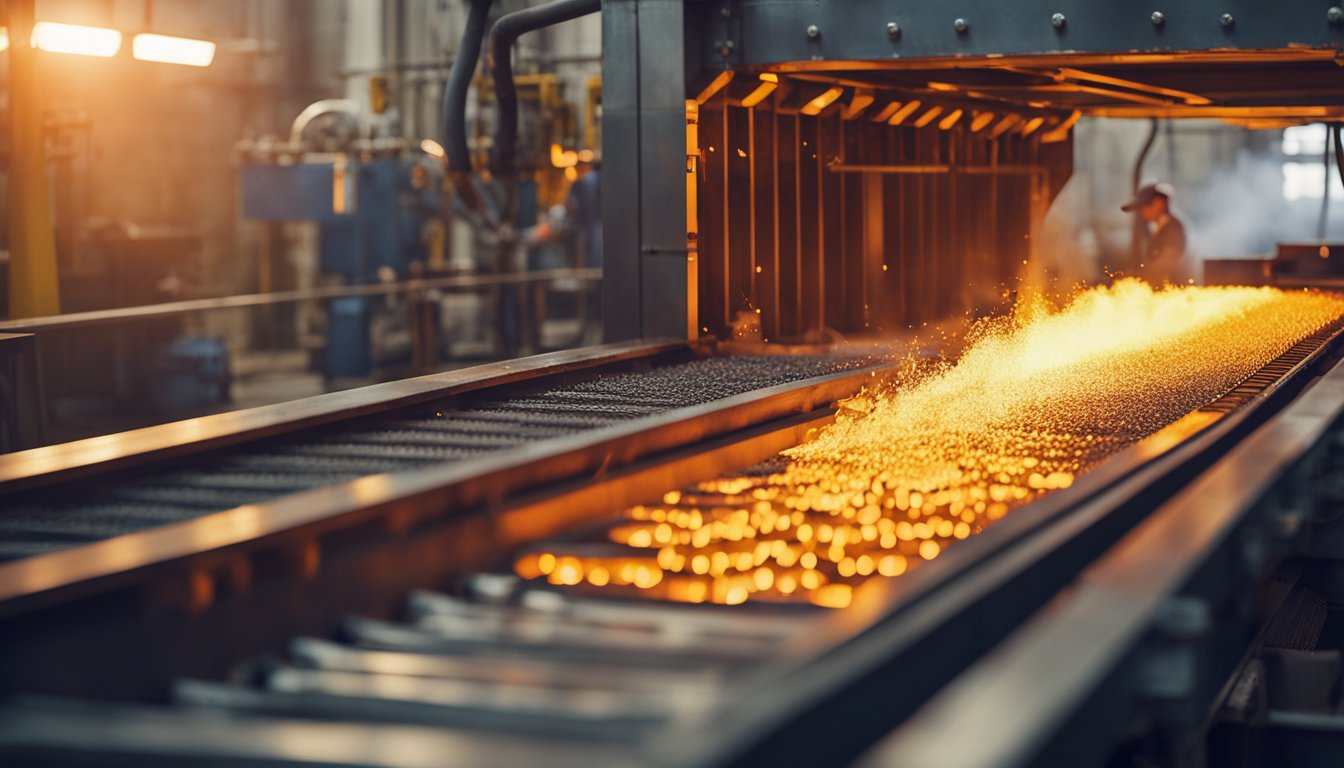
(1146, 194)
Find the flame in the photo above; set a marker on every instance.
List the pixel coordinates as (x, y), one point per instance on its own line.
(907, 470)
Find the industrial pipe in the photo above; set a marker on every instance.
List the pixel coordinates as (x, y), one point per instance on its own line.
(1325, 191)
(1138, 232)
(1339, 150)
(502, 37)
(455, 104)
(324, 107)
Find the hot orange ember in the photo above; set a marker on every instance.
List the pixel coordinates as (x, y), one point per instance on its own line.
(906, 470)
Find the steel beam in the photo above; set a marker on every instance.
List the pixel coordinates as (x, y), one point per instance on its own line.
(765, 32)
(649, 285)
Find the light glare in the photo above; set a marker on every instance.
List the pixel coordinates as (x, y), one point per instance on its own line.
(53, 37)
(433, 149)
(173, 50)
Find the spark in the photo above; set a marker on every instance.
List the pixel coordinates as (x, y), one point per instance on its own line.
(910, 467)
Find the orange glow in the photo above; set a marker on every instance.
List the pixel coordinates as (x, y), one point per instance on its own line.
(815, 106)
(4, 38)
(715, 85)
(928, 117)
(769, 82)
(886, 113)
(981, 120)
(1032, 125)
(904, 112)
(563, 158)
(1061, 131)
(947, 122)
(173, 50)
(862, 100)
(73, 38)
(912, 467)
(1003, 125)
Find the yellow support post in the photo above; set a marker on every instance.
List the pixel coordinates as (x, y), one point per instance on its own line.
(33, 289)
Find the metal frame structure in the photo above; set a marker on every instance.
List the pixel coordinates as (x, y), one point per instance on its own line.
(980, 75)
(199, 573)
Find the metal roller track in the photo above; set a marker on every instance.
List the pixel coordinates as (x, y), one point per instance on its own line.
(561, 678)
(325, 515)
(59, 518)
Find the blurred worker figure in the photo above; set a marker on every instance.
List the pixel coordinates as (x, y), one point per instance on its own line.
(580, 223)
(1163, 261)
(420, 213)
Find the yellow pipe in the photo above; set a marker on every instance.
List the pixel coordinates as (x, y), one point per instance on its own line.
(33, 289)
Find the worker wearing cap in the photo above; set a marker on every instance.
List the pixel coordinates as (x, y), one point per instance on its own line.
(1164, 259)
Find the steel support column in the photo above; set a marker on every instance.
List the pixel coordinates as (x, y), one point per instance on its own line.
(648, 286)
(32, 242)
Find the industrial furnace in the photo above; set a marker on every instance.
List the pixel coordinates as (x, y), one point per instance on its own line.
(1103, 533)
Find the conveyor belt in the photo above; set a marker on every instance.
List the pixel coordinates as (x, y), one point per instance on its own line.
(618, 682)
(61, 518)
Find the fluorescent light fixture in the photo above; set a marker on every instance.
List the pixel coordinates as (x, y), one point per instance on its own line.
(173, 50)
(887, 112)
(928, 117)
(1003, 125)
(73, 38)
(769, 82)
(4, 38)
(433, 149)
(947, 122)
(981, 120)
(863, 99)
(715, 85)
(904, 112)
(815, 106)
(1061, 132)
(1032, 125)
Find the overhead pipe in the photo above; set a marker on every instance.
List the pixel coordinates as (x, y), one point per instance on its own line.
(325, 107)
(1325, 192)
(502, 37)
(455, 107)
(1138, 231)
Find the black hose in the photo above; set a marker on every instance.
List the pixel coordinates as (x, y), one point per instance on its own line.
(1325, 191)
(1339, 153)
(1339, 150)
(502, 37)
(455, 92)
(1143, 157)
(1137, 231)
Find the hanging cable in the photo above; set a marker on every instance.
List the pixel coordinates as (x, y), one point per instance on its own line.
(1138, 231)
(455, 106)
(1325, 190)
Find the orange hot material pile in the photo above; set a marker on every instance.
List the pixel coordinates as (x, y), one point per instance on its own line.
(907, 470)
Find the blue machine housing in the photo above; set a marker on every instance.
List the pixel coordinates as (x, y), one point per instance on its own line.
(368, 216)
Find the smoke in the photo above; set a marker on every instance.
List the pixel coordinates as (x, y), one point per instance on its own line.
(1240, 210)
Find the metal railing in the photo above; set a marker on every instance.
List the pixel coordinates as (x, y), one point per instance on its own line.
(192, 306)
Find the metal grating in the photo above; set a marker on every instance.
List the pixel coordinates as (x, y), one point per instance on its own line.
(211, 482)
